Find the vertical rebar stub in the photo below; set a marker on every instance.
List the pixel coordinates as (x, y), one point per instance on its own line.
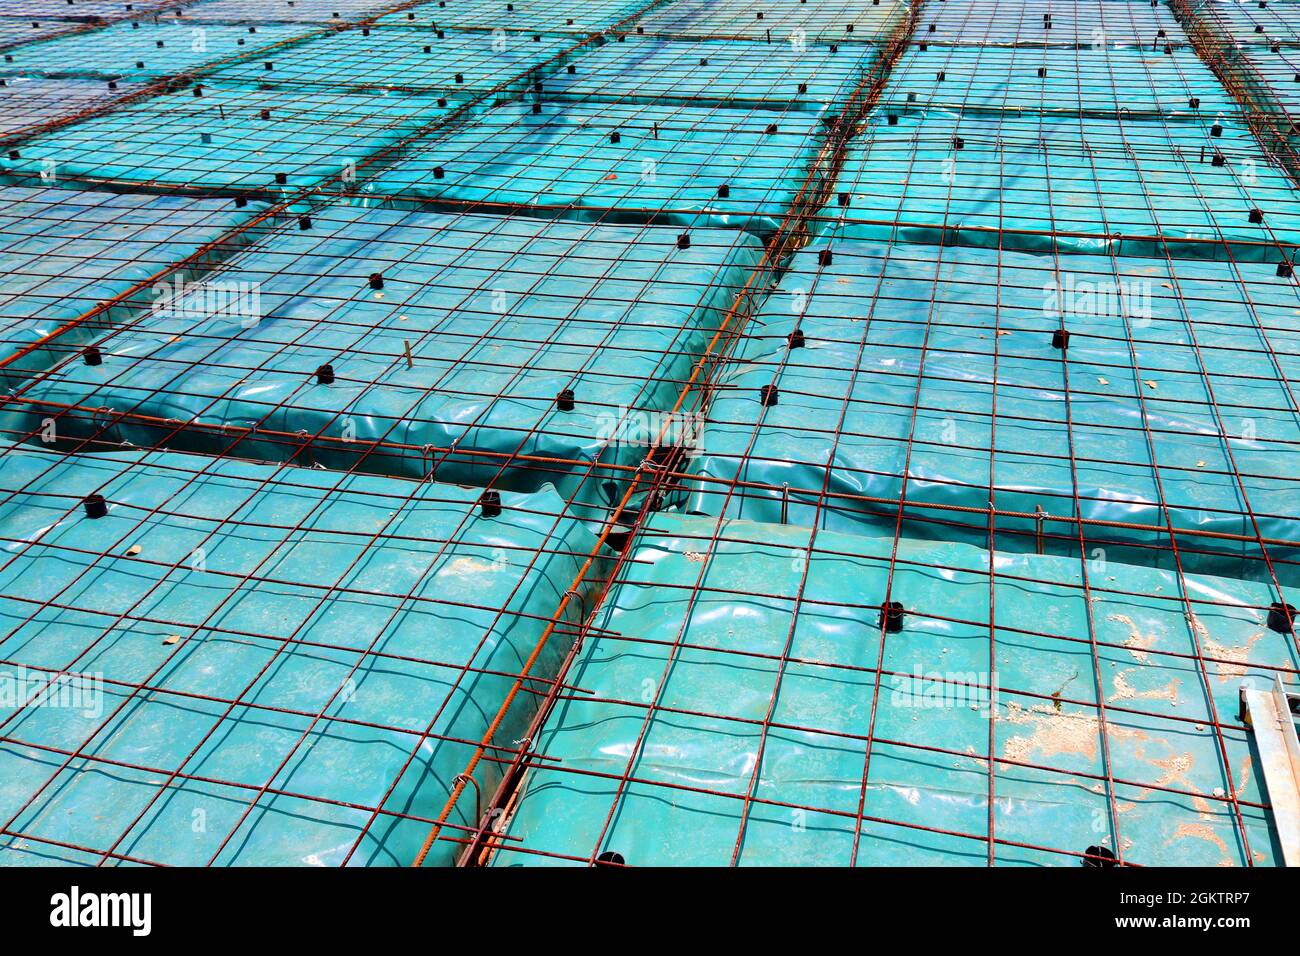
(1099, 856)
(1281, 617)
(489, 504)
(891, 616)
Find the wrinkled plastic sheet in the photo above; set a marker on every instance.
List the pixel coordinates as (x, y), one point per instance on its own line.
(396, 58)
(1017, 179)
(963, 333)
(278, 618)
(65, 252)
(1101, 80)
(667, 165)
(785, 21)
(712, 666)
(500, 315)
(220, 140)
(524, 16)
(644, 69)
(26, 102)
(1022, 22)
(143, 51)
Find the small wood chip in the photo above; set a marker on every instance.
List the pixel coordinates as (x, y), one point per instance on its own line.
(132, 551)
(173, 639)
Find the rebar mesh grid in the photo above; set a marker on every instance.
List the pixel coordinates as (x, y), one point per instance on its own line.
(524, 16)
(271, 665)
(842, 739)
(1049, 23)
(471, 348)
(423, 250)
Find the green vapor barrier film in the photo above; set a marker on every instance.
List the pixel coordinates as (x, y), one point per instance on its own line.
(63, 253)
(498, 316)
(360, 622)
(28, 101)
(611, 162)
(736, 74)
(142, 51)
(230, 137)
(1120, 427)
(786, 21)
(1099, 81)
(545, 16)
(1069, 184)
(706, 634)
(397, 58)
(1044, 23)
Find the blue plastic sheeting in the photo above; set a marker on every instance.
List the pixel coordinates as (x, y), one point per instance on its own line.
(667, 165)
(65, 252)
(545, 16)
(287, 11)
(396, 58)
(221, 139)
(27, 102)
(499, 315)
(1102, 81)
(24, 29)
(705, 636)
(734, 74)
(1023, 22)
(143, 51)
(966, 335)
(787, 21)
(1017, 179)
(387, 628)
